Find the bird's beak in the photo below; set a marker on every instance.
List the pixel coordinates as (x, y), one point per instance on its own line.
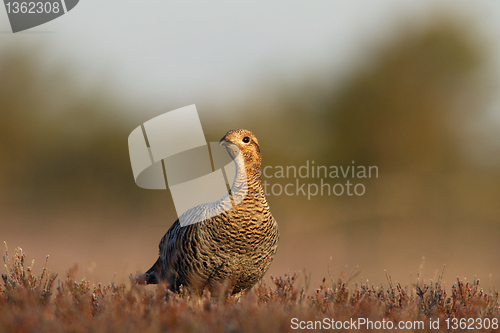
(224, 142)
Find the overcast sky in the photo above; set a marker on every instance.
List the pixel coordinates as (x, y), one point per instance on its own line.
(164, 51)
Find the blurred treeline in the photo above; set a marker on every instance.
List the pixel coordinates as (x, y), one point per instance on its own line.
(63, 145)
(407, 107)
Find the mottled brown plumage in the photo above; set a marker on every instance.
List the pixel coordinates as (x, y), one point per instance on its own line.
(235, 247)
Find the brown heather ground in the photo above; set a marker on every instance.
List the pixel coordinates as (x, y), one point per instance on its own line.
(51, 303)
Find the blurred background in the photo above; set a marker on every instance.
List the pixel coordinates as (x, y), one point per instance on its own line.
(412, 88)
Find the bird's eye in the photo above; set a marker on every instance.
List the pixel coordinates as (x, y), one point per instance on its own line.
(246, 139)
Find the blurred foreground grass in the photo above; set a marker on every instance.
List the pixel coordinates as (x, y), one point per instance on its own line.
(30, 302)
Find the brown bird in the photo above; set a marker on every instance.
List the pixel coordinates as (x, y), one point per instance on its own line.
(236, 246)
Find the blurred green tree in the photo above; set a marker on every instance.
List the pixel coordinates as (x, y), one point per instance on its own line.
(60, 145)
(405, 109)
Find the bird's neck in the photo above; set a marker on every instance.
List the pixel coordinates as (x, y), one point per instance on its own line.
(247, 180)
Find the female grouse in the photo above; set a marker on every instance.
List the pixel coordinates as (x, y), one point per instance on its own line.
(234, 247)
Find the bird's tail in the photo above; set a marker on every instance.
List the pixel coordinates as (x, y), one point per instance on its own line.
(151, 276)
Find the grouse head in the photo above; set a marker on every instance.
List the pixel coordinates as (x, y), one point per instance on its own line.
(240, 140)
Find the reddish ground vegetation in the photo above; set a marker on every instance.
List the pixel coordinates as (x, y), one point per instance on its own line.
(45, 303)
